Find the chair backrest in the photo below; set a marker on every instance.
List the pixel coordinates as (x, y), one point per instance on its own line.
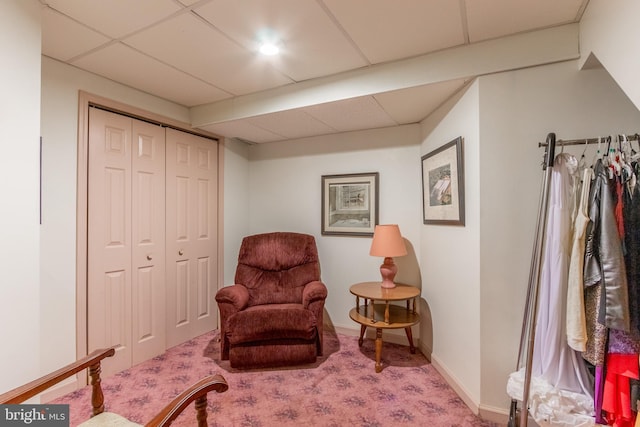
(275, 267)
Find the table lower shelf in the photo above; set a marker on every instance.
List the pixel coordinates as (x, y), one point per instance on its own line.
(372, 315)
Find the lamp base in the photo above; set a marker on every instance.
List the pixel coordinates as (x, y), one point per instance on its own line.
(388, 270)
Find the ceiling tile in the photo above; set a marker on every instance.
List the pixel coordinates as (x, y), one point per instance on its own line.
(351, 114)
(291, 124)
(123, 64)
(63, 38)
(495, 18)
(388, 30)
(116, 18)
(413, 105)
(312, 45)
(189, 44)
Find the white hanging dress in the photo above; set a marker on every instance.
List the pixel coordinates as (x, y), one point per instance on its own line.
(553, 359)
(561, 393)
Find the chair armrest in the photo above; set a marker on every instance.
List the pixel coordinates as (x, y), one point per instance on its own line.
(236, 295)
(39, 385)
(198, 393)
(313, 291)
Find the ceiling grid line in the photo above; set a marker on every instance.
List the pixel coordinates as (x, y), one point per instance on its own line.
(465, 22)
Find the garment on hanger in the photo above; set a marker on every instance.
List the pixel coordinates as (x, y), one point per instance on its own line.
(621, 368)
(576, 319)
(631, 214)
(553, 359)
(604, 262)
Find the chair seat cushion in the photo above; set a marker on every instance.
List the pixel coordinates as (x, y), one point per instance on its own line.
(108, 419)
(271, 321)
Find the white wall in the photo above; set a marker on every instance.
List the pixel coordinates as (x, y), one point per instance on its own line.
(608, 30)
(285, 195)
(236, 203)
(60, 86)
(19, 191)
(477, 311)
(517, 110)
(450, 258)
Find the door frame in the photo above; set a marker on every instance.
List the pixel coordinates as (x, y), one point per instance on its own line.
(85, 101)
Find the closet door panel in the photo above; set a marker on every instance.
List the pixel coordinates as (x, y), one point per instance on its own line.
(204, 287)
(191, 235)
(182, 294)
(205, 232)
(109, 239)
(148, 236)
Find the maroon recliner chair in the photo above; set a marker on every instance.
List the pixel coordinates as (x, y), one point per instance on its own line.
(273, 314)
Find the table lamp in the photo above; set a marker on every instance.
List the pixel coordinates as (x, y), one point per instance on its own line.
(387, 242)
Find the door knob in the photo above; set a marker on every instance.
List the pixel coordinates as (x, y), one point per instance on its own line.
(180, 252)
(149, 257)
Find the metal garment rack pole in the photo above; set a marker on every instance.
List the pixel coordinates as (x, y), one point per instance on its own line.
(603, 140)
(529, 321)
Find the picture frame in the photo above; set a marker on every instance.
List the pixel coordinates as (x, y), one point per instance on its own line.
(350, 204)
(443, 185)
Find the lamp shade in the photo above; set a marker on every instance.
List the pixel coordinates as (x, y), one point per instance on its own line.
(387, 241)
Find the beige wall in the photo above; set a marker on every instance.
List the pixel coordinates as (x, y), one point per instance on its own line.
(608, 32)
(517, 111)
(19, 191)
(450, 258)
(236, 203)
(477, 310)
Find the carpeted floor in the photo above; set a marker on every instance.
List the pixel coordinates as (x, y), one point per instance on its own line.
(340, 389)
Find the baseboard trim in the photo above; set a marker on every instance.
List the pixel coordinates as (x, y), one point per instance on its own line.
(455, 384)
(486, 412)
(494, 414)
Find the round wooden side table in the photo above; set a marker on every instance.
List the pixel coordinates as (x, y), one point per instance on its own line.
(382, 315)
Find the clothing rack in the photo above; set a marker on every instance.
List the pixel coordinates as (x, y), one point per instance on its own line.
(519, 418)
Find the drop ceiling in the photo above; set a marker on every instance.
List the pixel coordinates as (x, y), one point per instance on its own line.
(203, 55)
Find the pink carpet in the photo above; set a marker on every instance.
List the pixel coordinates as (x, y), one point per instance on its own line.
(341, 389)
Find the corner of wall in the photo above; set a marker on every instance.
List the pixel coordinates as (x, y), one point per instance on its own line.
(614, 46)
(431, 122)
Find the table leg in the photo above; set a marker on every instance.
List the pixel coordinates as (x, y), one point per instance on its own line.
(412, 349)
(378, 349)
(362, 329)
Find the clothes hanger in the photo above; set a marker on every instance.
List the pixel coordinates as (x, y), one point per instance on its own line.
(614, 160)
(634, 154)
(582, 163)
(597, 155)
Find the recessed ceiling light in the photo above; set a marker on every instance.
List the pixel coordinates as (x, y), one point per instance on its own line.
(269, 48)
(268, 42)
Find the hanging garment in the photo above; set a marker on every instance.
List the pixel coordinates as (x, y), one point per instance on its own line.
(553, 359)
(604, 261)
(617, 391)
(576, 320)
(626, 342)
(631, 214)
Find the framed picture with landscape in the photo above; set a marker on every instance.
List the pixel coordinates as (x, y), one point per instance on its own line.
(443, 185)
(350, 204)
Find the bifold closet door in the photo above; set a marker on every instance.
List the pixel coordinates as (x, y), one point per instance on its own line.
(126, 238)
(192, 266)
